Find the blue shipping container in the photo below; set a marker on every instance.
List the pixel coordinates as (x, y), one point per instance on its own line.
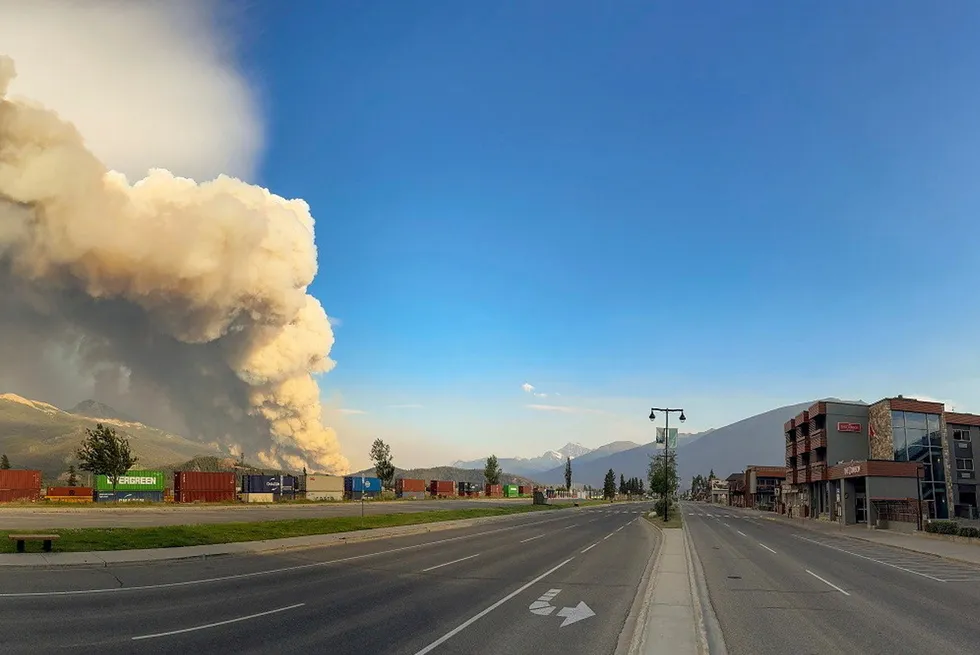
(270, 484)
(358, 484)
(129, 496)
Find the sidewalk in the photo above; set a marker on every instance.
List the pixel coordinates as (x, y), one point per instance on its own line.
(961, 552)
(673, 616)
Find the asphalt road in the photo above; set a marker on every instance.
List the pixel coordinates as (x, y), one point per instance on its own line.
(778, 588)
(468, 591)
(92, 516)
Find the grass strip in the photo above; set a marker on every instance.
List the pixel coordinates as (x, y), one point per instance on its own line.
(172, 536)
(675, 521)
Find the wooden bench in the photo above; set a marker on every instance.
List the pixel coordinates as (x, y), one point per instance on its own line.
(21, 538)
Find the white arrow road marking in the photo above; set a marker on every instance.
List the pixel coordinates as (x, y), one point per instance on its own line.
(543, 607)
(574, 614)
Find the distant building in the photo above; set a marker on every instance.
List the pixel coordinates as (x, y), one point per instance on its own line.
(719, 491)
(881, 463)
(736, 489)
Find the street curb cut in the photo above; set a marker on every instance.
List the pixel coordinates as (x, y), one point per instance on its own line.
(706, 621)
(631, 637)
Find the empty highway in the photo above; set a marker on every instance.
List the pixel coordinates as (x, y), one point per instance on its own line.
(547, 582)
(779, 588)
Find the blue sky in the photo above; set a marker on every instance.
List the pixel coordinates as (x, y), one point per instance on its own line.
(724, 206)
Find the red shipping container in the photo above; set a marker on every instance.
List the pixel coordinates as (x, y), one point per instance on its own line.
(494, 490)
(204, 496)
(407, 484)
(70, 491)
(442, 488)
(201, 481)
(13, 495)
(20, 479)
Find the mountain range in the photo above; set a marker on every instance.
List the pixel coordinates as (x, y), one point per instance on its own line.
(531, 465)
(755, 440)
(37, 435)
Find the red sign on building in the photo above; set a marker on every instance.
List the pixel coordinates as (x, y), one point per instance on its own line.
(848, 427)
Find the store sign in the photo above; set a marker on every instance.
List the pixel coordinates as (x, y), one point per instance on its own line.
(852, 470)
(848, 427)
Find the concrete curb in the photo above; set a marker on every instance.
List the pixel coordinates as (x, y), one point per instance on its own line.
(110, 557)
(711, 640)
(631, 638)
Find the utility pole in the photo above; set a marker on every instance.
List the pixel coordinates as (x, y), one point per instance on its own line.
(667, 411)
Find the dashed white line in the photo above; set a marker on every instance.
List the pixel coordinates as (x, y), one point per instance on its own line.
(827, 582)
(590, 547)
(465, 624)
(726, 523)
(741, 533)
(767, 548)
(216, 624)
(607, 536)
(524, 541)
(439, 566)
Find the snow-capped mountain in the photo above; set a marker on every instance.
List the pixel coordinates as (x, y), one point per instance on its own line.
(528, 465)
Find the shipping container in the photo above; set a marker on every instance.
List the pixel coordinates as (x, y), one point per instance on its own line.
(511, 491)
(408, 484)
(355, 483)
(524, 489)
(274, 484)
(442, 488)
(257, 498)
(494, 490)
(411, 495)
(222, 481)
(464, 488)
(11, 479)
(132, 481)
(129, 496)
(69, 499)
(204, 496)
(323, 483)
(325, 495)
(70, 491)
(16, 495)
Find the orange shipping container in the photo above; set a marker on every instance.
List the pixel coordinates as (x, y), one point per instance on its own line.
(14, 495)
(404, 484)
(70, 491)
(201, 481)
(20, 479)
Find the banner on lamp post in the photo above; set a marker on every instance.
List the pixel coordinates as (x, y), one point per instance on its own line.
(671, 437)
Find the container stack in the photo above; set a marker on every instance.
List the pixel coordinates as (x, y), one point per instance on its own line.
(406, 488)
(356, 487)
(131, 487)
(269, 488)
(494, 491)
(323, 487)
(201, 487)
(20, 485)
(524, 490)
(442, 488)
(511, 491)
(69, 494)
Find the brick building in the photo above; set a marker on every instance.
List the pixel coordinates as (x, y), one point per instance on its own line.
(857, 463)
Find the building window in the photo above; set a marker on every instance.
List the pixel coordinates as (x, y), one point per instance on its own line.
(917, 437)
(961, 435)
(964, 464)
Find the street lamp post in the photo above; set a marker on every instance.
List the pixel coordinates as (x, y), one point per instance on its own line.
(653, 416)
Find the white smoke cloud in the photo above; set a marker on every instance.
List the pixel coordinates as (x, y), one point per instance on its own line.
(193, 294)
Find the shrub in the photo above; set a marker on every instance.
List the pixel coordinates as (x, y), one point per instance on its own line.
(967, 531)
(660, 507)
(943, 527)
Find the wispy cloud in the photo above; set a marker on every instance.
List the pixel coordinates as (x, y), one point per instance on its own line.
(334, 321)
(352, 411)
(564, 409)
(530, 388)
(406, 406)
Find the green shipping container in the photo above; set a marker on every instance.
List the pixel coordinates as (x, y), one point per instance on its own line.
(132, 481)
(511, 490)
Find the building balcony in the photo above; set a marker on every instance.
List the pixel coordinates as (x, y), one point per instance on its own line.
(802, 474)
(791, 449)
(818, 439)
(803, 445)
(818, 471)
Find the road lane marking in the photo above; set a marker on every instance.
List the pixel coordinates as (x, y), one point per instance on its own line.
(256, 574)
(567, 527)
(524, 541)
(215, 625)
(871, 559)
(726, 523)
(767, 548)
(608, 535)
(590, 547)
(439, 566)
(827, 582)
(741, 533)
(465, 624)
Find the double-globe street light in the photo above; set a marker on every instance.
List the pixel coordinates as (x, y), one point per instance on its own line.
(653, 416)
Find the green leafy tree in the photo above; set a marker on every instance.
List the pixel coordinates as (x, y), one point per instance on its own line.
(640, 481)
(72, 477)
(568, 473)
(4, 462)
(383, 468)
(622, 484)
(103, 452)
(492, 471)
(609, 485)
(663, 481)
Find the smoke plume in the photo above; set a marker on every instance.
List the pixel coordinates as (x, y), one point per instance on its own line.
(195, 294)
